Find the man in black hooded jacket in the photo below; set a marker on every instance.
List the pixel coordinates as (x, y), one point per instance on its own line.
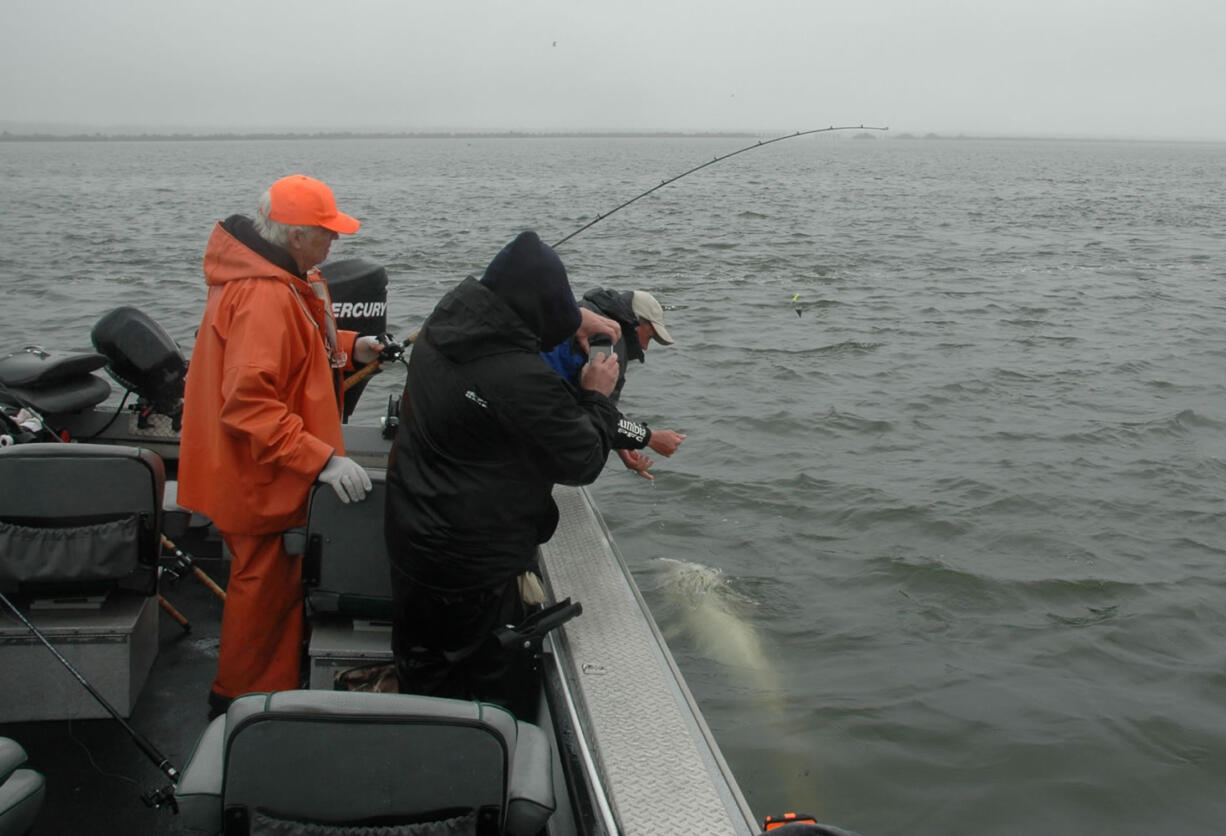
(486, 431)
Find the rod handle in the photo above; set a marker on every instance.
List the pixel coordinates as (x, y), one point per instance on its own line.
(175, 614)
(361, 374)
(373, 366)
(209, 582)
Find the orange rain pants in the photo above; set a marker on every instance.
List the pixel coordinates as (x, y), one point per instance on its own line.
(263, 623)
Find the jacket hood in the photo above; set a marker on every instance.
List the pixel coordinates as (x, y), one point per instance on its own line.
(471, 322)
(530, 278)
(236, 251)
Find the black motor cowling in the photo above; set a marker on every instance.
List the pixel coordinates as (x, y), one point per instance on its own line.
(359, 303)
(142, 357)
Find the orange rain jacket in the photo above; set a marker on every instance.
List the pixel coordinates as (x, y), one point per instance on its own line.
(262, 409)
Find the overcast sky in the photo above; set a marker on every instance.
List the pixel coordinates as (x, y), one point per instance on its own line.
(1099, 68)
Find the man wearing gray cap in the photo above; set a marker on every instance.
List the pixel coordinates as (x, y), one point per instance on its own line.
(641, 318)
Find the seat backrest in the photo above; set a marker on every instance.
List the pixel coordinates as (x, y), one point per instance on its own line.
(345, 564)
(78, 516)
(332, 760)
(342, 757)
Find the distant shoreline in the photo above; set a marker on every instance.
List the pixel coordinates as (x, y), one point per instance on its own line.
(848, 133)
(8, 136)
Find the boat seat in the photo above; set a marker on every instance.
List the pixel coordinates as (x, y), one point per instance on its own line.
(345, 564)
(21, 790)
(338, 761)
(79, 517)
(70, 396)
(52, 382)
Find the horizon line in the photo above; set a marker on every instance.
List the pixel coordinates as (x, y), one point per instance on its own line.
(155, 136)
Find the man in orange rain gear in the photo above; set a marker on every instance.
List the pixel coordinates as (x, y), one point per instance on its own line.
(262, 419)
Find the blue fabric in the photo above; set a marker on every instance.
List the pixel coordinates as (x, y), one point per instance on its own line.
(566, 360)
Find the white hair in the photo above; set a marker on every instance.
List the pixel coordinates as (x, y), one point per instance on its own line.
(274, 232)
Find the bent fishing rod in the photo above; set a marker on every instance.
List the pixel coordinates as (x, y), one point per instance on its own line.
(759, 144)
(397, 349)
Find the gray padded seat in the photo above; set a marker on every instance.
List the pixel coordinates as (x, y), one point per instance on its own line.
(352, 758)
(21, 790)
(80, 514)
(344, 563)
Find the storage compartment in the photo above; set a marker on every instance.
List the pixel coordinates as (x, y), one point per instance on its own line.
(339, 643)
(113, 647)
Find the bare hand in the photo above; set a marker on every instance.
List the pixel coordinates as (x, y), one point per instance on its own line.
(637, 462)
(600, 373)
(665, 442)
(593, 323)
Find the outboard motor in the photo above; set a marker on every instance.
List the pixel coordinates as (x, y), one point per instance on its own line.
(144, 359)
(359, 303)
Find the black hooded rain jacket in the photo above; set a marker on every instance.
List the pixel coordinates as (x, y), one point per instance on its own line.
(486, 430)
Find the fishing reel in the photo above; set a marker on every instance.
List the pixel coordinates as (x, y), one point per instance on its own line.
(392, 350)
(161, 797)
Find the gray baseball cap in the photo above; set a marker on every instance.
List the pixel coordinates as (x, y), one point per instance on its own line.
(646, 307)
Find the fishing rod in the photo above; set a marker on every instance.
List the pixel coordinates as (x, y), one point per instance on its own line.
(391, 352)
(375, 365)
(185, 562)
(163, 796)
(758, 144)
(155, 798)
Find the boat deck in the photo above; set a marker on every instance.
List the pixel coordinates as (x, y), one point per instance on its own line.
(641, 737)
(662, 768)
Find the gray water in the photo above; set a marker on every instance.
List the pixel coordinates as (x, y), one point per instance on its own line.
(943, 552)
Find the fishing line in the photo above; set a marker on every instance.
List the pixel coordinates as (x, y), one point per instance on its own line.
(373, 366)
(758, 144)
(94, 763)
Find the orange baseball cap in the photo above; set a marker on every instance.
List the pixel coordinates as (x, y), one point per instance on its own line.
(299, 200)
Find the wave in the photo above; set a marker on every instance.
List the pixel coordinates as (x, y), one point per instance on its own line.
(847, 347)
(1181, 424)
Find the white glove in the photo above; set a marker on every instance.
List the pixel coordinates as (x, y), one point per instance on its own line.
(367, 349)
(346, 477)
